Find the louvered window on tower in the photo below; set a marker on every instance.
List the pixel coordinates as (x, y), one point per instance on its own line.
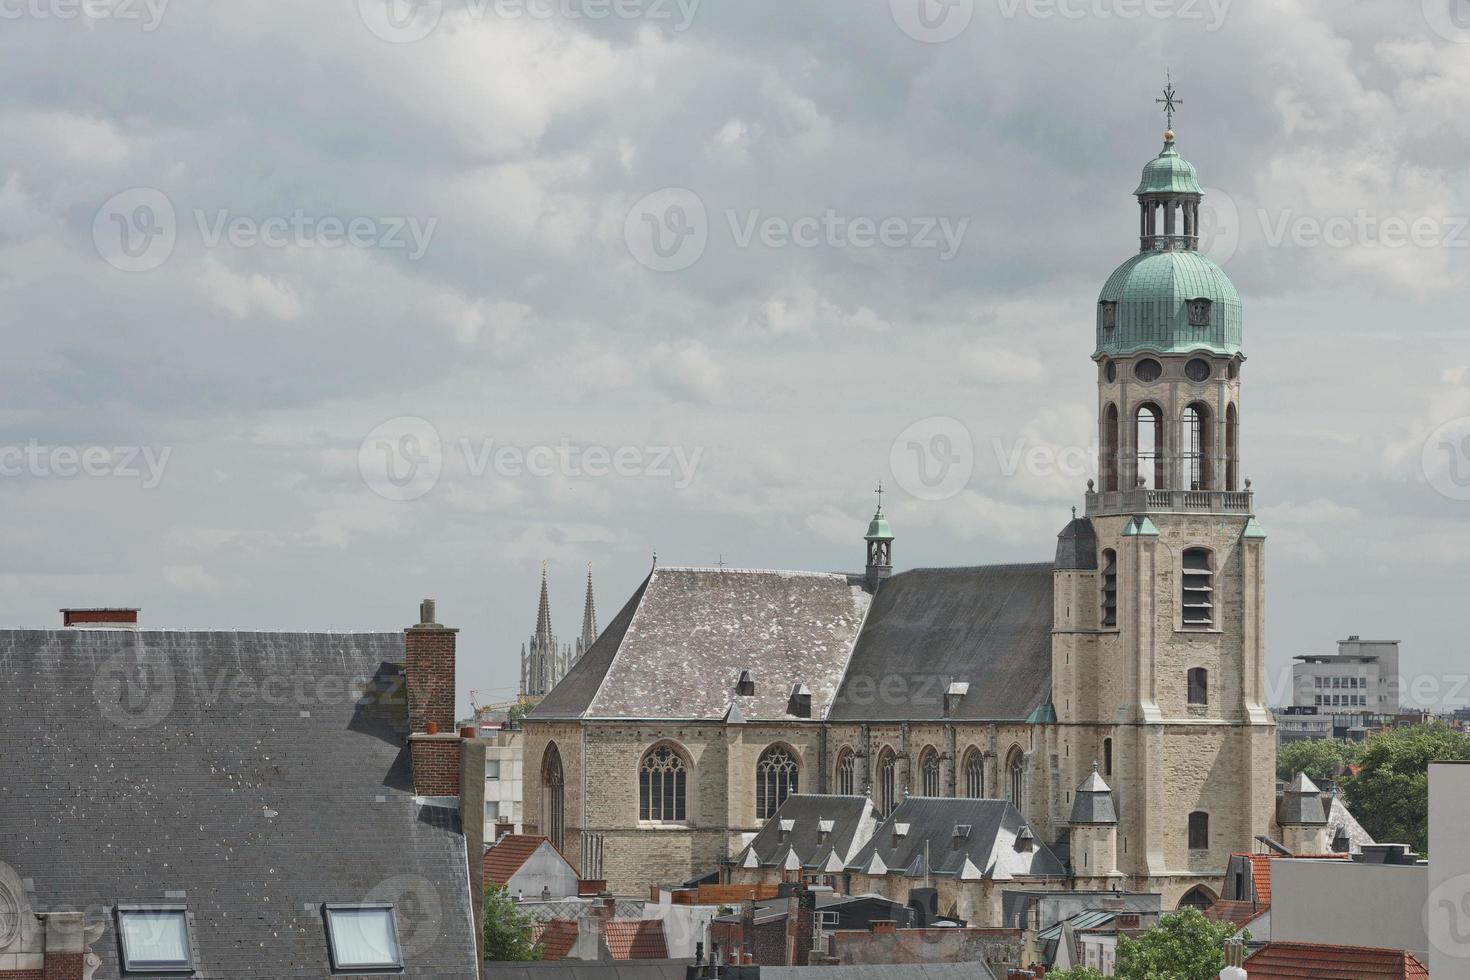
(1110, 588)
(1199, 606)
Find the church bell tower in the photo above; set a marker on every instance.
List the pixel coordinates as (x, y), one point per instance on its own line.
(1158, 654)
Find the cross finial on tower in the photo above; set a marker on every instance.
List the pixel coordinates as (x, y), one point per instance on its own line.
(879, 492)
(1170, 102)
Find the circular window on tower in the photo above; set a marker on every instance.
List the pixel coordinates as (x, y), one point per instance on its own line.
(1147, 370)
(1197, 370)
(1111, 371)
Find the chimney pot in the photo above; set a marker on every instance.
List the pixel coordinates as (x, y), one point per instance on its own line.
(426, 612)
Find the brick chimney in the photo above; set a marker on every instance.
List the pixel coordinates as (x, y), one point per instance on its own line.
(93, 617)
(429, 676)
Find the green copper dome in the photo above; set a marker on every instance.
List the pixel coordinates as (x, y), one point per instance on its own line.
(878, 528)
(1169, 173)
(1153, 295)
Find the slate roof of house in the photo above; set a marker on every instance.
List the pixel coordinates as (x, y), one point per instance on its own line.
(1292, 961)
(989, 626)
(239, 774)
(506, 856)
(988, 849)
(635, 939)
(852, 821)
(677, 648)
(1341, 821)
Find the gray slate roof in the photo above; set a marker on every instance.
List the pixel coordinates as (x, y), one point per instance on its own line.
(853, 820)
(235, 773)
(1093, 802)
(1077, 545)
(678, 647)
(989, 847)
(1301, 804)
(990, 626)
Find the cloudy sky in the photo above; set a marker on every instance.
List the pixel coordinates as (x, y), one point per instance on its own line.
(316, 308)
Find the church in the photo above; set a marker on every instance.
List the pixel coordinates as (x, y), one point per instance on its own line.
(715, 694)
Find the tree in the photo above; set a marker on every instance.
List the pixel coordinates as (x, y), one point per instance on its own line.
(1321, 759)
(1183, 946)
(507, 929)
(1080, 973)
(518, 711)
(1390, 794)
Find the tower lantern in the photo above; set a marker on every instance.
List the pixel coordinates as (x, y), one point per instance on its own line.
(880, 545)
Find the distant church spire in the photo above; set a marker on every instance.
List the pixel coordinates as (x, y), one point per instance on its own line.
(589, 619)
(542, 662)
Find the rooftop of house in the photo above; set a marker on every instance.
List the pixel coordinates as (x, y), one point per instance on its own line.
(967, 839)
(1292, 961)
(251, 777)
(635, 939)
(812, 831)
(506, 856)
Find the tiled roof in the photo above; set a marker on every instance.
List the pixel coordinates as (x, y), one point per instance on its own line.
(677, 649)
(1238, 914)
(505, 857)
(1261, 878)
(255, 776)
(635, 939)
(557, 937)
(989, 626)
(1293, 961)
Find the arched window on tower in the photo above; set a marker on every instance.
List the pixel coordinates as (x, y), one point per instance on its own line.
(975, 774)
(846, 766)
(1199, 831)
(1232, 449)
(1016, 783)
(1198, 593)
(1148, 443)
(929, 770)
(887, 781)
(775, 779)
(662, 782)
(1109, 609)
(1198, 897)
(1110, 449)
(1194, 439)
(553, 798)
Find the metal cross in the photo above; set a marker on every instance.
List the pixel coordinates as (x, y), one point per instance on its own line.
(1169, 102)
(879, 492)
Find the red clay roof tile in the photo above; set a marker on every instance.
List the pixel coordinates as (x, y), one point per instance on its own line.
(505, 857)
(636, 939)
(1293, 961)
(556, 936)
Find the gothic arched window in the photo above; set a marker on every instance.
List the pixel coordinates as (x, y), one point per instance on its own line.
(974, 774)
(846, 763)
(1109, 609)
(553, 799)
(929, 772)
(662, 782)
(1198, 897)
(1198, 603)
(1016, 785)
(775, 779)
(1148, 445)
(887, 781)
(1195, 440)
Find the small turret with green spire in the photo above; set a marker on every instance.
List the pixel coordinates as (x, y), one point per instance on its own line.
(880, 545)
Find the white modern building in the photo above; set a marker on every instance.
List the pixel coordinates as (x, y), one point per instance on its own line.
(502, 779)
(1361, 678)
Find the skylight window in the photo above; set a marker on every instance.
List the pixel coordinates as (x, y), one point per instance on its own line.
(155, 939)
(362, 937)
